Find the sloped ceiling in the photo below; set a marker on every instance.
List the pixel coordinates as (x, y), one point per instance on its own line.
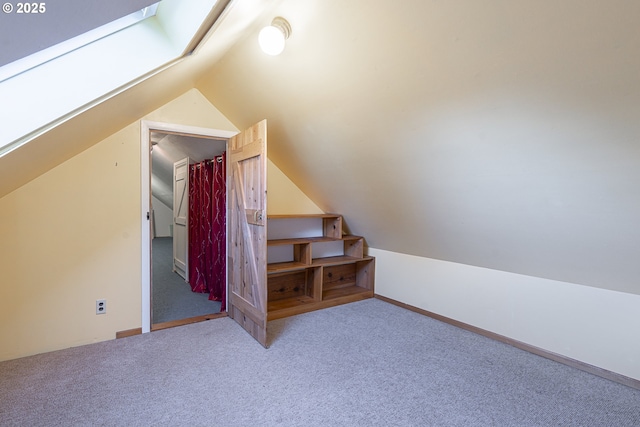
(498, 134)
(82, 129)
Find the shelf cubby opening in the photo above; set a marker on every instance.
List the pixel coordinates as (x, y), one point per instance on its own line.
(291, 290)
(348, 279)
(311, 265)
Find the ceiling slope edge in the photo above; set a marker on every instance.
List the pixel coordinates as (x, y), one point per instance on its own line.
(51, 145)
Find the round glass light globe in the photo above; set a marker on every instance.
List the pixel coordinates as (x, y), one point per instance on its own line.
(271, 40)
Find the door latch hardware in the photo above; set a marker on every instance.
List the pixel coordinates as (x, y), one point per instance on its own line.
(255, 217)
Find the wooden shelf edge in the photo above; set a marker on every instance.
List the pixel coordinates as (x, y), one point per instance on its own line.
(346, 292)
(288, 303)
(284, 267)
(300, 240)
(293, 216)
(305, 240)
(351, 237)
(338, 260)
(319, 305)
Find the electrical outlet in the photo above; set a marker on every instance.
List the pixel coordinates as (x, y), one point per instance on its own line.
(101, 306)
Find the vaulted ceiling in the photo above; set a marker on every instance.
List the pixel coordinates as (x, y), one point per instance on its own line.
(498, 134)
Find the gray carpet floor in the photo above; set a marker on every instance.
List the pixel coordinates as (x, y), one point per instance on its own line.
(172, 296)
(368, 363)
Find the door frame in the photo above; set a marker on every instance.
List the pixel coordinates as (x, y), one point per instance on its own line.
(146, 127)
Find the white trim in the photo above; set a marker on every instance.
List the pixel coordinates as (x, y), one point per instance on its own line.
(146, 127)
(145, 206)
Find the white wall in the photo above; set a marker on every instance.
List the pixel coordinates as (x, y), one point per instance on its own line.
(596, 326)
(163, 217)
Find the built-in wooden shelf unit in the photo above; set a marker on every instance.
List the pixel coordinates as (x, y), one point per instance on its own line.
(312, 265)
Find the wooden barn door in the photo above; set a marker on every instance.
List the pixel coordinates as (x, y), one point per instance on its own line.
(247, 255)
(181, 218)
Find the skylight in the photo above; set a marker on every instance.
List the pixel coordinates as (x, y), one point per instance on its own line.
(40, 98)
(23, 63)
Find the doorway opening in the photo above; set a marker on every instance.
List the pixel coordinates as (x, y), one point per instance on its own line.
(170, 155)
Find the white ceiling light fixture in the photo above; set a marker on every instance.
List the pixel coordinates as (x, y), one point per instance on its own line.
(272, 38)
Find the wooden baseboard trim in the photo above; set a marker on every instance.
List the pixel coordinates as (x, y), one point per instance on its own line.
(612, 376)
(128, 333)
(181, 322)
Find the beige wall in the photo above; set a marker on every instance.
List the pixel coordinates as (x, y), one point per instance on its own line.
(68, 238)
(497, 134)
(72, 236)
(500, 135)
(284, 197)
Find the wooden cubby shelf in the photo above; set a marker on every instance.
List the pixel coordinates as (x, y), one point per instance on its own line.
(299, 241)
(304, 282)
(337, 260)
(285, 266)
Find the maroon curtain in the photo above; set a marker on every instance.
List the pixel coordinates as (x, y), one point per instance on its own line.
(207, 228)
(218, 288)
